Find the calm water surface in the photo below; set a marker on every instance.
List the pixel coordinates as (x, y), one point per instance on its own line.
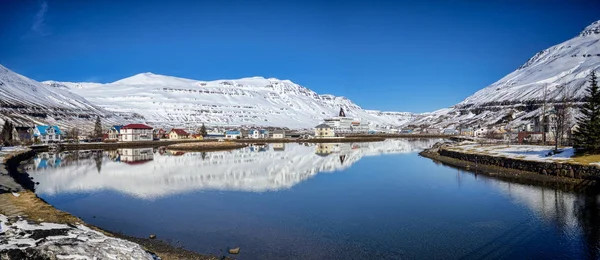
(331, 201)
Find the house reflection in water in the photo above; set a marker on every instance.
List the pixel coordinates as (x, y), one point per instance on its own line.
(258, 147)
(45, 160)
(175, 153)
(279, 147)
(325, 149)
(132, 155)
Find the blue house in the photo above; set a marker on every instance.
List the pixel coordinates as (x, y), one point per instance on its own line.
(114, 132)
(263, 133)
(47, 134)
(254, 134)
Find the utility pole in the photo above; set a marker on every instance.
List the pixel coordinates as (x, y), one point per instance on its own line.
(544, 114)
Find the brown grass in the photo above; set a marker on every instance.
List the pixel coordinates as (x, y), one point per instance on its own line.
(586, 159)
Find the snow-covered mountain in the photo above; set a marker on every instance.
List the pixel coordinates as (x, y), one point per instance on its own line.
(26, 102)
(520, 93)
(171, 101)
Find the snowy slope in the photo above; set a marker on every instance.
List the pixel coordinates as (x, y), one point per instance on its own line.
(26, 102)
(165, 100)
(567, 64)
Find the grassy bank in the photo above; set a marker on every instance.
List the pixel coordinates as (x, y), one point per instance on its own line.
(206, 146)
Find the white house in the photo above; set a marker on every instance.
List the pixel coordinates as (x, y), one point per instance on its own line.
(135, 155)
(480, 132)
(114, 132)
(47, 134)
(254, 134)
(135, 132)
(278, 134)
(324, 130)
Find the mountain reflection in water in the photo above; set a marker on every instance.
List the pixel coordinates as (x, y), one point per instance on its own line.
(151, 173)
(384, 207)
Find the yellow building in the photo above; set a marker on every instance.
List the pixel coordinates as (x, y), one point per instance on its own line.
(178, 134)
(324, 130)
(197, 137)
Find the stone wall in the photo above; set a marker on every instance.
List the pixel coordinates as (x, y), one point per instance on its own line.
(546, 168)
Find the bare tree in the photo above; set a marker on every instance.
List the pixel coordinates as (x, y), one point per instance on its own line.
(74, 134)
(561, 120)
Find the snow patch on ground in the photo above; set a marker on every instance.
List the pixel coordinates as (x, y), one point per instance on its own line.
(66, 242)
(524, 152)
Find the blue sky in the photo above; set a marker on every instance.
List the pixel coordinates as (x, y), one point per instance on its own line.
(390, 55)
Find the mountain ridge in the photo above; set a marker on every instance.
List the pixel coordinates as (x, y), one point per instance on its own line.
(519, 94)
(170, 101)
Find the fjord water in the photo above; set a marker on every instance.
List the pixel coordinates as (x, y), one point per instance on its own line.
(328, 201)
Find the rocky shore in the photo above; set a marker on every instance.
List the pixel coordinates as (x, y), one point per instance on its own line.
(30, 228)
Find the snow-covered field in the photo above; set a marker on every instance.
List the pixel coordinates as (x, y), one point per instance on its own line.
(524, 152)
(65, 241)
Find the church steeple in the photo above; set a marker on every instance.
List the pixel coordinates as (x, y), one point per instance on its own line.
(342, 114)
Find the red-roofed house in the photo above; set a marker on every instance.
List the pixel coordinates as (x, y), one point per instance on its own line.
(177, 133)
(135, 132)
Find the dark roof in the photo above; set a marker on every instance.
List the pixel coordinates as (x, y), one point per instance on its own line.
(179, 131)
(323, 126)
(279, 132)
(136, 126)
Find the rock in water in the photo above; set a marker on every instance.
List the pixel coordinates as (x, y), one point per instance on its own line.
(234, 251)
(152, 236)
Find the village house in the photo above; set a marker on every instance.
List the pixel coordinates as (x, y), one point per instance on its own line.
(406, 131)
(432, 131)
(525, 127)
(544, 124)
(263, 133)
(466, 132)
(47, 134)
(233, 134)
(279, 134)
(253, 134)
(160, 133)
(324, 130)
(114, 132)
(450, 131)
(135, 132)
(177, 133)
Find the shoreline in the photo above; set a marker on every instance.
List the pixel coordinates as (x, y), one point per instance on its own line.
(516, 175)
(26, 205)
